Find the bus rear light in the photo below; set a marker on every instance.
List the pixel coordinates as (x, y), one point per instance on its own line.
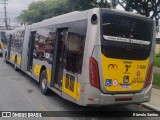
(93, 73)
(149, 75)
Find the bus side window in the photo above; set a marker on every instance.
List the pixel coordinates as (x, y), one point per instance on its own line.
(21, 38)
(49, 46)
(44, 45)
(16, 41)
(74, 52)
(12, 42)
(39, 46)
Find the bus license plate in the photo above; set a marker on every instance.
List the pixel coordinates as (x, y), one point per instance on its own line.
(125, 85)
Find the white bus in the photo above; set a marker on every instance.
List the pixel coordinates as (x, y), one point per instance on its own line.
(93, 57)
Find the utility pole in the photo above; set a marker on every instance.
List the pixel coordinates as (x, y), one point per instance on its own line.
(5, 12)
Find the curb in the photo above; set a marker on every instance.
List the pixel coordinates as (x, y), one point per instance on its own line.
(156, 87)
(152, 107)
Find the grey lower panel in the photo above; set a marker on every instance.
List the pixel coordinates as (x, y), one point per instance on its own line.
(35, 77)
(93, 96)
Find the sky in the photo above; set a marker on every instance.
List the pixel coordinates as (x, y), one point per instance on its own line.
(14, 9)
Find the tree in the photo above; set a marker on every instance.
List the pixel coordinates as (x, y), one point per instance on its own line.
(38, 11)
(87, 4)
(35, 13)
(149, 8)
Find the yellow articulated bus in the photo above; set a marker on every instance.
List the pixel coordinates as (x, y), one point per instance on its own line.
(93, 57)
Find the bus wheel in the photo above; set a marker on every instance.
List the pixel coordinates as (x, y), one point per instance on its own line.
(15, 65)
(43, 83)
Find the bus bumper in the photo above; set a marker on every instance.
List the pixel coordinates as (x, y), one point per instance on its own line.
(95, 97)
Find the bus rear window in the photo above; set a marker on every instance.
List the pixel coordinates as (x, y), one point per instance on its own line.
(119, 26)
(126, 37)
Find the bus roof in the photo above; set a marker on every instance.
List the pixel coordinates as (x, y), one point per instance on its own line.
(8, 32)
(69, 17)
(81, 15)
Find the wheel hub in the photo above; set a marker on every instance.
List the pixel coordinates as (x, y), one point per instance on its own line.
(44, 83)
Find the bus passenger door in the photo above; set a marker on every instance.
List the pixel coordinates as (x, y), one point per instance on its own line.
(59, 61)
(30, 51)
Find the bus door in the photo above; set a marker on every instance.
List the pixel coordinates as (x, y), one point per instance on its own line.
(9, 46)
(30, 51)
(59, 61)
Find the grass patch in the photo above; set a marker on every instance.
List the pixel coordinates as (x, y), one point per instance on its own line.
(156, 79)
(157, 61)
(157, 55)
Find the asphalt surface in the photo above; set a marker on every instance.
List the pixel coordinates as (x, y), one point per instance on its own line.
(19, 92)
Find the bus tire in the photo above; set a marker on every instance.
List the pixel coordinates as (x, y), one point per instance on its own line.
(43, 83)
(15, 65)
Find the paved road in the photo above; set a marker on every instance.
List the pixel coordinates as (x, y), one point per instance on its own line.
(18, 92)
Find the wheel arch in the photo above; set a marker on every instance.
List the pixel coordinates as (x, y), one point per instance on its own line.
(43, 68)
(15, 60)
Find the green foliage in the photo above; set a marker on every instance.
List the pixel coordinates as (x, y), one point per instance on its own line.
(87, 4)
(149, 8)
(156, 79)
(38, 11)
(35, 12)
(157, 55)
(157, 61)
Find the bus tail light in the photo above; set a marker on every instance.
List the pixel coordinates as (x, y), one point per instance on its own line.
(149, 75)
(93, 73)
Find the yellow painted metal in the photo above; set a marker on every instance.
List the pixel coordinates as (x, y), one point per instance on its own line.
(12, 57)
(37, 69)
(124, 75)
(49, 75)
(19, 60)
(75, 93)
(2, 45)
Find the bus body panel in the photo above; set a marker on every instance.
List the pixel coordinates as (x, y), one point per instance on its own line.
(81, 91)
(37, 64)
(95, 97)
(104, 62)
(124, 75)
(15, 50)
(115, 69)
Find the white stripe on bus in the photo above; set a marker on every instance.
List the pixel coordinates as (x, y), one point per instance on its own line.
(126, 40)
